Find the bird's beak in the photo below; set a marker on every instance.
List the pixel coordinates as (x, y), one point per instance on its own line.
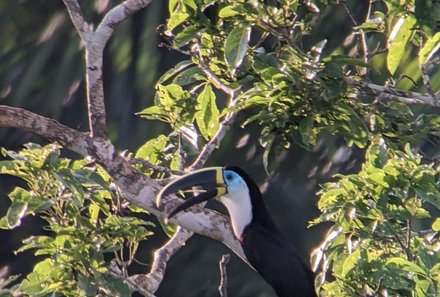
(210, 180)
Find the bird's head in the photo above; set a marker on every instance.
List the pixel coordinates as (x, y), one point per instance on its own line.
(231, 184)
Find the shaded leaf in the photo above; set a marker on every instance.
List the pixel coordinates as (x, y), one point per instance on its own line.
(173, 71)
(236, 45)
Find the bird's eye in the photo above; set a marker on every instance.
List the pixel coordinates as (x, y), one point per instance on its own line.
(228, 176)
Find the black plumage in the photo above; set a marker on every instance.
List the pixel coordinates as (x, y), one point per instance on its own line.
(268, 251)
(265, 247)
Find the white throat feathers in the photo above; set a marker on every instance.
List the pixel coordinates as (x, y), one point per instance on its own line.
(238, 203)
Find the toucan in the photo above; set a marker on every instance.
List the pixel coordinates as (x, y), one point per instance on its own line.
(264, 246)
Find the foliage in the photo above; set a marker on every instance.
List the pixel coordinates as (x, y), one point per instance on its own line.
(378, 243)
(381, 241)
(297, 87)
(256, 47)
(85, 222)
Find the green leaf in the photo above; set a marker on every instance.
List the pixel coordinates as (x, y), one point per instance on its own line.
(379, 178)
(176, 19)
(207, 114)
(351, 125)
(186, 35)
(267, 148)
(87, 284)
(236, 45)
(151, 150)
(429, 193)
(406, 265)
(18, 208)
(399, 38)
(168, 229)
(189, 76)
(436, 225)
(431, 46)
(153, 113)
(228, 11)
(350, 262)
(94, 213)
(175, 70)
(15, 213)
(305, 127)
(329, 197)
(114, 285)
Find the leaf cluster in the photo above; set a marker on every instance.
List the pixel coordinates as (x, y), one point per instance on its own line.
(255, 48)
(385, 233)
(84, 224)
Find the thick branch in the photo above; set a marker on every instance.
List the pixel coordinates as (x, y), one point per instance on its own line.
(48, 128)
(95, 43)
(94, 53)
(136, 187)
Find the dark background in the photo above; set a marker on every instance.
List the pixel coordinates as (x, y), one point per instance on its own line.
(42, 69)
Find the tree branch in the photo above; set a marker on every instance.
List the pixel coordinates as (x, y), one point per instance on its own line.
(135, 186)
(407, 97)
(427, 83)
(223, 287)
(77, 18)
(224, 125)
(132, 284)
(50, 129)
(152, 280)
(95, 43)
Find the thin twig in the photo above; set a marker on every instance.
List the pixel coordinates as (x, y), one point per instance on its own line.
(364, 70)
(408, 239)
(362, 35)
(223, 287)
(77, 18)
(389, 93)
(214, 142)
(224, 125)
(157, 168)
(215, 79)
(151, 281)
(132, 284)
(427, 83)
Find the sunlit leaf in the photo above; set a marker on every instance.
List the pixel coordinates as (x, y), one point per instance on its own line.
(267, 149)
(228, 11)
(350, 262)
(18, 208)
(436, 225)
(177, 19)
(406, 265)
(207, 114)
(398, 40)
(431, 47)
